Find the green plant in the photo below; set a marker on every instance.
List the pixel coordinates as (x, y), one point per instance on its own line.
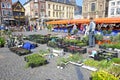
(2, 41)
(116, 60)
(75, 58)
(85, 39)
(104, 32)
(99, 37)
(109, 31)
(75, 31)
(49, 27)
(52, 44)
(98, 64)
(103, 75)
(35, 60)
(115, 70)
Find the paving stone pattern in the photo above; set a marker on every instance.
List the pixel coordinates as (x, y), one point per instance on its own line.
(12, 67)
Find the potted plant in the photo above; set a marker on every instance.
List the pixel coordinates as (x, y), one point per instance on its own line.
(2, 42)
(104, 32)
(99, 39)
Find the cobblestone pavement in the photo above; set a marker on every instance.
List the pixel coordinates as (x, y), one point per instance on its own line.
(12, 67)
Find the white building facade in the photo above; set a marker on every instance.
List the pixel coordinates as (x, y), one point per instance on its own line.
(114, 8)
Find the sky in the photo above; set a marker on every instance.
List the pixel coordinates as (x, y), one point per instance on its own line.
(79, 2)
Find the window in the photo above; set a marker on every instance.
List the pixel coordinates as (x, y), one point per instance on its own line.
(42, 13)
(57, 7)
(49, 13)
(92, 6)
(42, 6)
(35, 0)
(36, 13)
(118, 2)
(118, 11)
(112, 11)
(112, 3)
(8, 5)
(56, 14)
(48, 6)
(101, 6)
(53, 6)
(35, 6)
(53, 14)
(63, 7)
(3, 5)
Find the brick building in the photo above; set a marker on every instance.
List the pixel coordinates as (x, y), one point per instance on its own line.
(6, 14)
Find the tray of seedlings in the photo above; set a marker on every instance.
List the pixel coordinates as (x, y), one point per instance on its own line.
(20, 51)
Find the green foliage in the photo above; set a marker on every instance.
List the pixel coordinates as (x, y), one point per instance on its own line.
(104, 32)
(103, 75)
(109, 31)
(35, 60)
(99, 37)
(49, 27)
(85, 39)
(81, 44)
(75, 58)
(75, 31)
(44, 52)
(115, 70)
(111, 45)
(98, 64)
(116, 60)
(91, 62)
(2, 41)
(52, 44)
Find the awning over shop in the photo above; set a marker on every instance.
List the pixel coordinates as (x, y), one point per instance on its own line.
(85, 21)
(107, 20)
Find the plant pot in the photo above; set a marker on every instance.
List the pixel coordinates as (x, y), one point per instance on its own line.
(100, 43)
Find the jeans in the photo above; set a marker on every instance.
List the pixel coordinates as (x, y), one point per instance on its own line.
(91, 39)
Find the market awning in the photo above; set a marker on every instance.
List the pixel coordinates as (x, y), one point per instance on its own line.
(86, 21)
(107, 20)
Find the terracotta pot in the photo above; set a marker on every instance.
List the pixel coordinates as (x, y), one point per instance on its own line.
(100, 42)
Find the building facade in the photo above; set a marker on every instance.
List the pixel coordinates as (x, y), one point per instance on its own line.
(95, 8)
(114, 8)
(34, 11)
(18, 13)
(78, 12)
(56, 10)
(6, 14)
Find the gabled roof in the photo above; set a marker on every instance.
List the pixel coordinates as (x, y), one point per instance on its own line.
(15, 4)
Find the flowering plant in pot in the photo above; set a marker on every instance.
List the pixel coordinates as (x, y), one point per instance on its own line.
(99, 39)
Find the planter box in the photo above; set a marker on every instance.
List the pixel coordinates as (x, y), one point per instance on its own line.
(89, 68)
(20, 51)
(59, 52)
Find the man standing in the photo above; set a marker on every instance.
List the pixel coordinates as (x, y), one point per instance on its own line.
(91, 33)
